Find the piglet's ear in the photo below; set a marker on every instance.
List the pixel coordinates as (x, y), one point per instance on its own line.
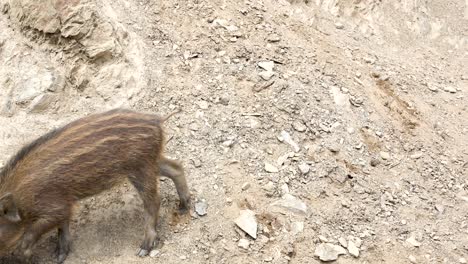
(8, 209)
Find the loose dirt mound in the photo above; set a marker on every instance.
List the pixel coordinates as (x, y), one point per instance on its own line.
(340, 122)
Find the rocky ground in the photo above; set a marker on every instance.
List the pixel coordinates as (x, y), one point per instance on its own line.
(311, 130)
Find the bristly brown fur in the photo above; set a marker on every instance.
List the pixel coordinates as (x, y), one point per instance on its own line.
(40, 184)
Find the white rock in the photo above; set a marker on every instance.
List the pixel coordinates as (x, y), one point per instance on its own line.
(297, 227)
(328, 252)
(412, 241)
(450, 89)
(154, 253)
(291, 203)
(416, 155)
(246, 186)
(203, 105)
(267, 65)
(243, 243)
(339, 25)
(352, 249)
(462, 260)
(247, 222)
(304, 168)
(299, 126)
(412, 259)
(343, 242)
(201, 207)
(266, 75)
(270, 168)
(286, 138)
(384, 155)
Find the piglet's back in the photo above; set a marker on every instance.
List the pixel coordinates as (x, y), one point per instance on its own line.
(86, 156)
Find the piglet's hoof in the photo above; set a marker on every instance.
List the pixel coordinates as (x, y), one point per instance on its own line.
(142, 252)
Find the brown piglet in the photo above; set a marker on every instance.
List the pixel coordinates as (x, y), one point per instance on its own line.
(42, 182)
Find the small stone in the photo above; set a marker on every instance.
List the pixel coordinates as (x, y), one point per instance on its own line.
(462, 260)
(266, 75)
(335, 148)
(269, 187)
(201, 207)
(304, 168)
(323, 239)
(246, 186)
(274, 38)
(203, 105)
(247, 222)
(291, 203)
(416, 155)
(154, 253)
(243, 243)
(339, 25)
(286, 138)
(412, 241)
(356, 240)
(328, 252)
(343, 242)
(432, 88)
(385, 155)
(270, 168)
(266, 65)
(440, 208)
(299, 126)
(412, 259)
(450, 89)
(297, 227)
(352, 249)
(183, 257)
(374, 162)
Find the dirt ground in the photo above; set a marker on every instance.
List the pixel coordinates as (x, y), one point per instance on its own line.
(358, 109)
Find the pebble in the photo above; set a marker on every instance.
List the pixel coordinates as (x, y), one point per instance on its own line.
(385, 155)
(243, 243)
(201, 207)
(416, 155)
(339, 25)
(266, 65)
(450, 89)
(299, 126)
(412, 259)
(203, 105)
(297, 227)
(328, 251)
(291, 203)
(246, 186)
(374, 162)
(286, 137)
(154, 253)
(353, 249)
(274, 38)
(343, 242)
(270, 168)
(266, 75)
(462, 260)
(247, 222)
(440, 208)
(322, 239)
(432, 88)
(335, 148)
(304, 168)
(412, 241)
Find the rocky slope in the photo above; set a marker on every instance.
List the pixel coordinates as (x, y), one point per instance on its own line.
(338, 129)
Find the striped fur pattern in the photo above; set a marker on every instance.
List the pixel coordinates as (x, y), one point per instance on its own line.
(42, 182)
